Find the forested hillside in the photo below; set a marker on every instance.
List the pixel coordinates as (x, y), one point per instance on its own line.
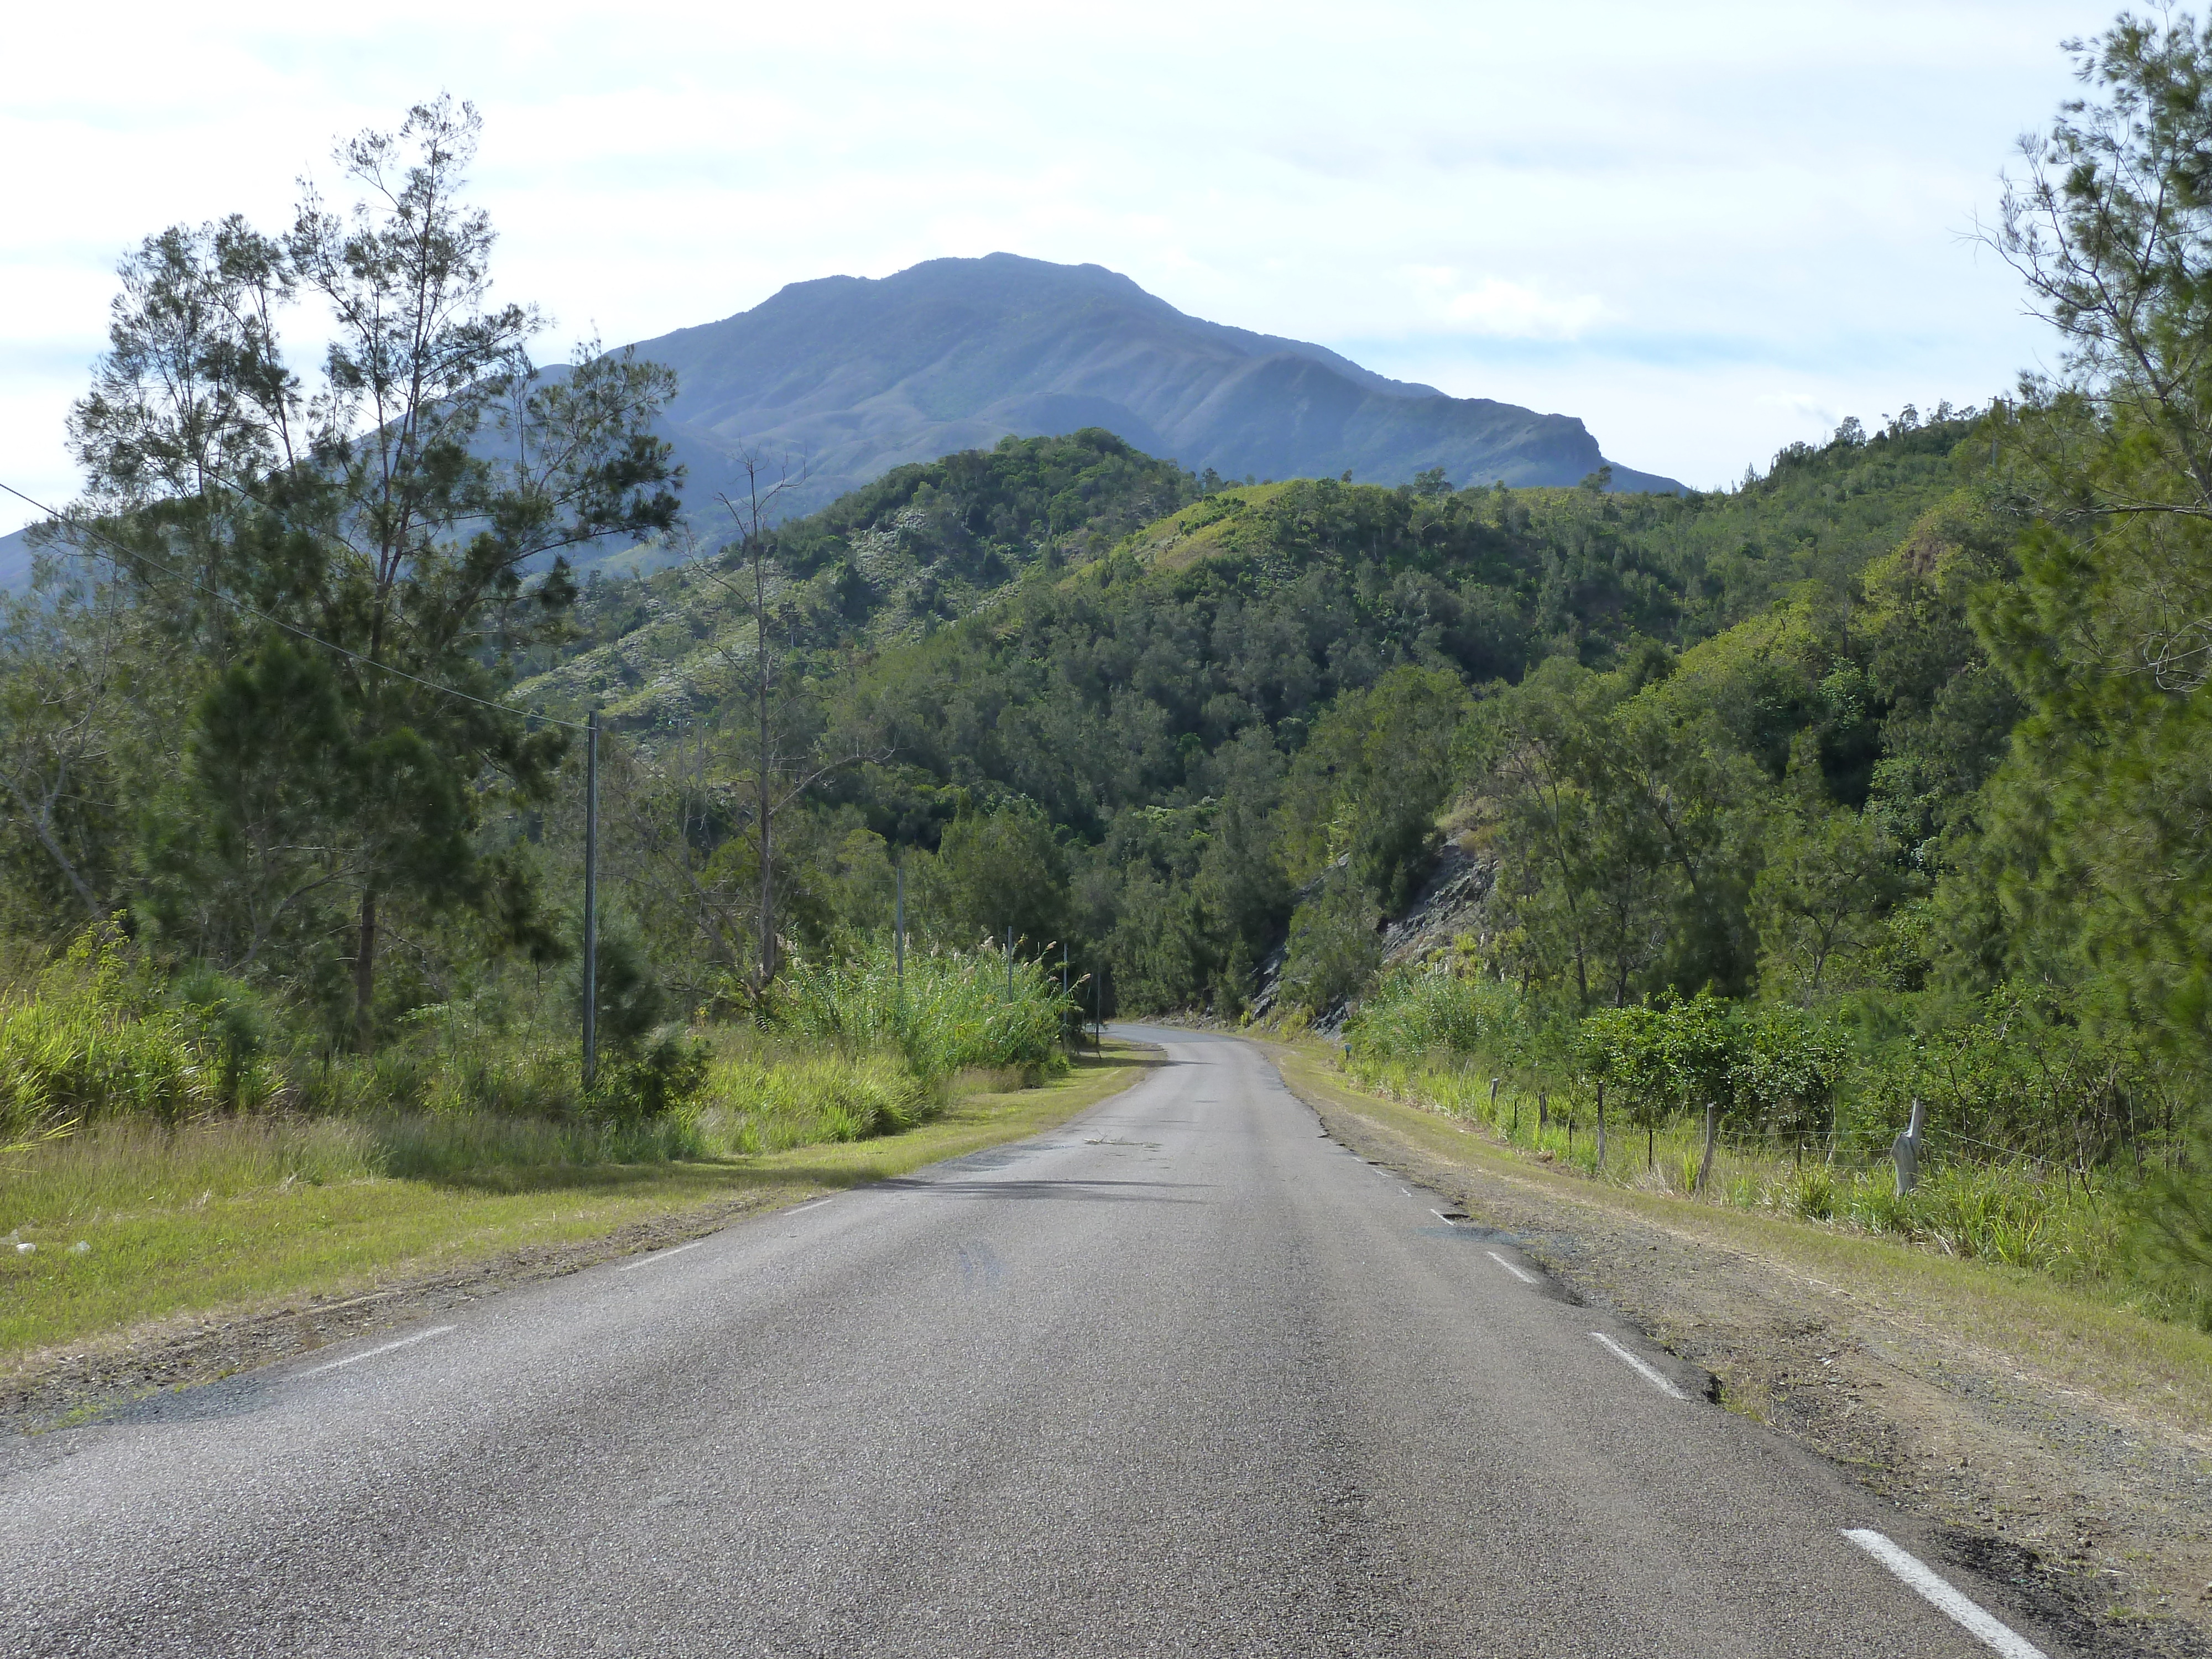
(1171, 711)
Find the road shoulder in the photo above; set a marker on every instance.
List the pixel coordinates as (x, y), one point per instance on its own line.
(531, 1241)
(2062, 1444)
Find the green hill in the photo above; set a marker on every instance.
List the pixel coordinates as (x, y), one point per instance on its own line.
(1167, 682)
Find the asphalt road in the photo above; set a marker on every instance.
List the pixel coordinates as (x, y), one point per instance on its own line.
(1183, 1377)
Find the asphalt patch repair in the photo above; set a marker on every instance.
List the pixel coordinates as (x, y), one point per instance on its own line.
(2099, 1520)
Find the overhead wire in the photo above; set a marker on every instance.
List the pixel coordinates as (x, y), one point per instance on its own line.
(117, 551)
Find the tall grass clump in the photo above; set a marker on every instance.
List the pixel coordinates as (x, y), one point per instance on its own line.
(1436, 1019)
(88, 1042)
(764, 1096)
(131, 1166)
(956, 1010)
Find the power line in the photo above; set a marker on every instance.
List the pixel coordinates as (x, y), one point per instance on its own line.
(119, 552)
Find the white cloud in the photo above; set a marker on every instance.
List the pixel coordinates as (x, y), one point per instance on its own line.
(1661, 219)
(1506, 310)
(1814, 416)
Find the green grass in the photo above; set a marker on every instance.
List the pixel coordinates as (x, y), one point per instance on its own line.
(235, 1215)
(2009, 1213)
(1194, 533)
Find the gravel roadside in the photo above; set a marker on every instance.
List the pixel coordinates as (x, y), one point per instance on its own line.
(2100, 1512)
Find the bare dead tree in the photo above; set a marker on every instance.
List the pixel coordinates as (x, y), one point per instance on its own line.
(751, 519)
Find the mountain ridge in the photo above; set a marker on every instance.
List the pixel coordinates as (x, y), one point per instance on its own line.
(847, 377)
(860, 374)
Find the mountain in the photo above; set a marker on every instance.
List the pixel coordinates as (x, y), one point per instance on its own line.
(859, 375)
(14, 561)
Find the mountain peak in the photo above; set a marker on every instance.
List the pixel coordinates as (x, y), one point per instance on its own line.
(860, 374)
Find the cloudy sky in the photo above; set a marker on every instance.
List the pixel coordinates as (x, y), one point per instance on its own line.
(1707, 229)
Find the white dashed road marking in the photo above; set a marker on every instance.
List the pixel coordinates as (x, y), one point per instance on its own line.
(659, 1256)
(1525, 1277)
(1648, 1374)
(371, 1353)
(1966, 1614)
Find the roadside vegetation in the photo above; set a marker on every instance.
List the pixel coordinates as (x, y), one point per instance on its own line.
(134, 1223)
(1804, 1115)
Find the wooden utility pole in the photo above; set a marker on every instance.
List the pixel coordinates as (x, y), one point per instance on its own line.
(592, 900)
(766, 807)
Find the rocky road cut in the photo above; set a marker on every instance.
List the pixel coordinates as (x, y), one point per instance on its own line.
(1184, 1377)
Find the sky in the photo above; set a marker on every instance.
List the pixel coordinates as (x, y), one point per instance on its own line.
(1707, 229)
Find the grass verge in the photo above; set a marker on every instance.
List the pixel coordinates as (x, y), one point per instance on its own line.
(223, 1219)
(2035, 1325)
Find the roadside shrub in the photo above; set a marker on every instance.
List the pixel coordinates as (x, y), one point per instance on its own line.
(84, 1045)
(1424, 1016)
(237, 1025)
(2169, 1228)
(955, 1012)
(1334, 948)
(757, 1099)
(661, 1077)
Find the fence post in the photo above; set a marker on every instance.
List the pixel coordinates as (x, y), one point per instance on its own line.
(1705, 1163)
(1904, 1151)
(1601, 1126)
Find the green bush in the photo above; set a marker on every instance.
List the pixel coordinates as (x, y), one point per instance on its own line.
(760, 1100)
(955, 1012)
(86, 1045)
(660, 1078)
(1426, 1017)
(1335, 947)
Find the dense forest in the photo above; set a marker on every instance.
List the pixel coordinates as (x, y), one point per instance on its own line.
(1879, 778)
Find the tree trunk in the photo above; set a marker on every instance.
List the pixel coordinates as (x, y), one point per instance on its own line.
(40, 822)
(364, 974)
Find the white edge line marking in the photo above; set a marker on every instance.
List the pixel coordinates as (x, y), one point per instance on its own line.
(1442, 1217)
(1526, 1279)
(810, 1204)
(371, 1353)
(660, 1255)
(1923, 1577)
(1649, 1374)
(1405, 1192)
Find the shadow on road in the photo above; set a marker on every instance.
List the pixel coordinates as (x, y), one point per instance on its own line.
(1091, 1192)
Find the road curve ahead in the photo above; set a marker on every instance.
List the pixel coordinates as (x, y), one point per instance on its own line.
(1182, 1377)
